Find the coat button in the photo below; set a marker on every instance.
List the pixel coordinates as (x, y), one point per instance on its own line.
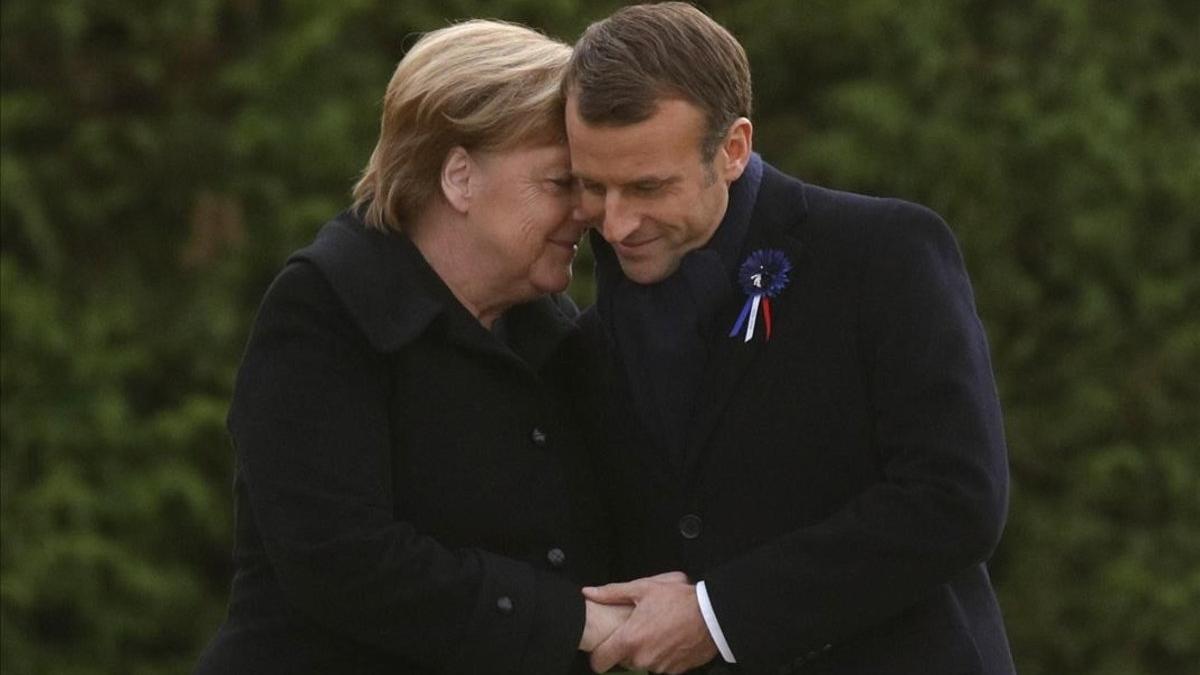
(538, 437)
(504, 605)
(556, 557)
(689, 526)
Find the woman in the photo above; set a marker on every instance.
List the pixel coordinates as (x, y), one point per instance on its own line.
(412, 495)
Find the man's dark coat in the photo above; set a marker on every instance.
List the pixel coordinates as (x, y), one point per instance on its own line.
(843, 484)
(412, 494)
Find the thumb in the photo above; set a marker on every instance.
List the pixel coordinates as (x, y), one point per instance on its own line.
(615, 594)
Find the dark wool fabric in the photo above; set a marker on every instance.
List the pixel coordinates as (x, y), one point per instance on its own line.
(412, 494)
(663, 328)
(842, 485)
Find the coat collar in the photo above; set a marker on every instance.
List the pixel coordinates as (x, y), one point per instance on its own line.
(780, 209)
(394, 296)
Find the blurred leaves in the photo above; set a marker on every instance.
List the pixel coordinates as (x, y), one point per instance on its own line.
(161, 159)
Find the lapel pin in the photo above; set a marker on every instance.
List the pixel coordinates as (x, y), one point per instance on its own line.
(763, 275)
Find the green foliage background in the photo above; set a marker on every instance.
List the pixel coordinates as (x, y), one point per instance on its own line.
(160, 160)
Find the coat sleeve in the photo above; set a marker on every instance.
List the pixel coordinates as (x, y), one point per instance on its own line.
(939, 504)
(311, 426)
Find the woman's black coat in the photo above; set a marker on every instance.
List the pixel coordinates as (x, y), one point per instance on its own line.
(412, 494)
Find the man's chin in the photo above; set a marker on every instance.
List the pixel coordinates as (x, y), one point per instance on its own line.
(644, 272)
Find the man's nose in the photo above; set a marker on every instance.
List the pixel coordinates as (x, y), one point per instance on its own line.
(581, 214)
(587, 208)
(620, 221)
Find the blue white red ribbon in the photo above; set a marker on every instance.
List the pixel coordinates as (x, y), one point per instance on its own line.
(763, 275)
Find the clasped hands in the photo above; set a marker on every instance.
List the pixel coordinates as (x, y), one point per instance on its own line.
(653, 623)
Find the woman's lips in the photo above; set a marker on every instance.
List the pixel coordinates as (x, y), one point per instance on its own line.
(569, 245)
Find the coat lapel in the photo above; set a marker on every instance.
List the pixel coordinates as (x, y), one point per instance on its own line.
(536, 329)
(525, 337)
(729, 360)
(776, 224)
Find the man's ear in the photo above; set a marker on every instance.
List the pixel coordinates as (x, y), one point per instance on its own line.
(736, 149)
(456, 178)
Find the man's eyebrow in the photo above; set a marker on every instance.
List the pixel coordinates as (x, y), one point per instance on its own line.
(661, 180)
(650, 178)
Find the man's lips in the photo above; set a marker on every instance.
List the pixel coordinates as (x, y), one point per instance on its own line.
(633, 247)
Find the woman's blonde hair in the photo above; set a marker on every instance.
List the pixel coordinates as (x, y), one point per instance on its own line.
(480, 84)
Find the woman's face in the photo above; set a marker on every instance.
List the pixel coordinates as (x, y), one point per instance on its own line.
(520, 215)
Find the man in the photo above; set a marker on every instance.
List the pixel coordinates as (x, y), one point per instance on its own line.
(795, 389)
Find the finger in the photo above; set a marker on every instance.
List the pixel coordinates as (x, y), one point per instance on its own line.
(608, 654)
(615, 594)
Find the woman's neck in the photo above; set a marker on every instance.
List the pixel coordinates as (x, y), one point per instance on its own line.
(437, 235)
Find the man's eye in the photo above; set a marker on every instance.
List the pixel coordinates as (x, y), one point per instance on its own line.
(647, 187)
(592, 187)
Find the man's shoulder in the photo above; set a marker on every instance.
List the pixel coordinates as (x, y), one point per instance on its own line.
(849, 217)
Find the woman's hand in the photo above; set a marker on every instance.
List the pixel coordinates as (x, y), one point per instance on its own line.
(601, 621)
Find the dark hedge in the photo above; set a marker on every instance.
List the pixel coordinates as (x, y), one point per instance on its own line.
(161, 159)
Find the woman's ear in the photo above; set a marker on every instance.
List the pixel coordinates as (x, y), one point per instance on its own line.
(456, 178)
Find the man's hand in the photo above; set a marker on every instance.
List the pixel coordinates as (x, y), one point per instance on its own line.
(665, 633)
(600, 623)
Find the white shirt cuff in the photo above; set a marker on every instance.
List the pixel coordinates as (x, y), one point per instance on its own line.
(710, 620)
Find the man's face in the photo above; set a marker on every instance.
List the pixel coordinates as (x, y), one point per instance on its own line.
(647, 188)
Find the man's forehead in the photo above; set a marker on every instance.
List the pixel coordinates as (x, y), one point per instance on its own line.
(654, 149)
(624, 169)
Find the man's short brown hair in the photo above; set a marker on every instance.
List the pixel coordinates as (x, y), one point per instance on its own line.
(623, 66)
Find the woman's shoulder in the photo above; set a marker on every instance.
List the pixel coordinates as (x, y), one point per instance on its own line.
(378, 278)
(301, 280)
(301, 287)
(301, 300)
